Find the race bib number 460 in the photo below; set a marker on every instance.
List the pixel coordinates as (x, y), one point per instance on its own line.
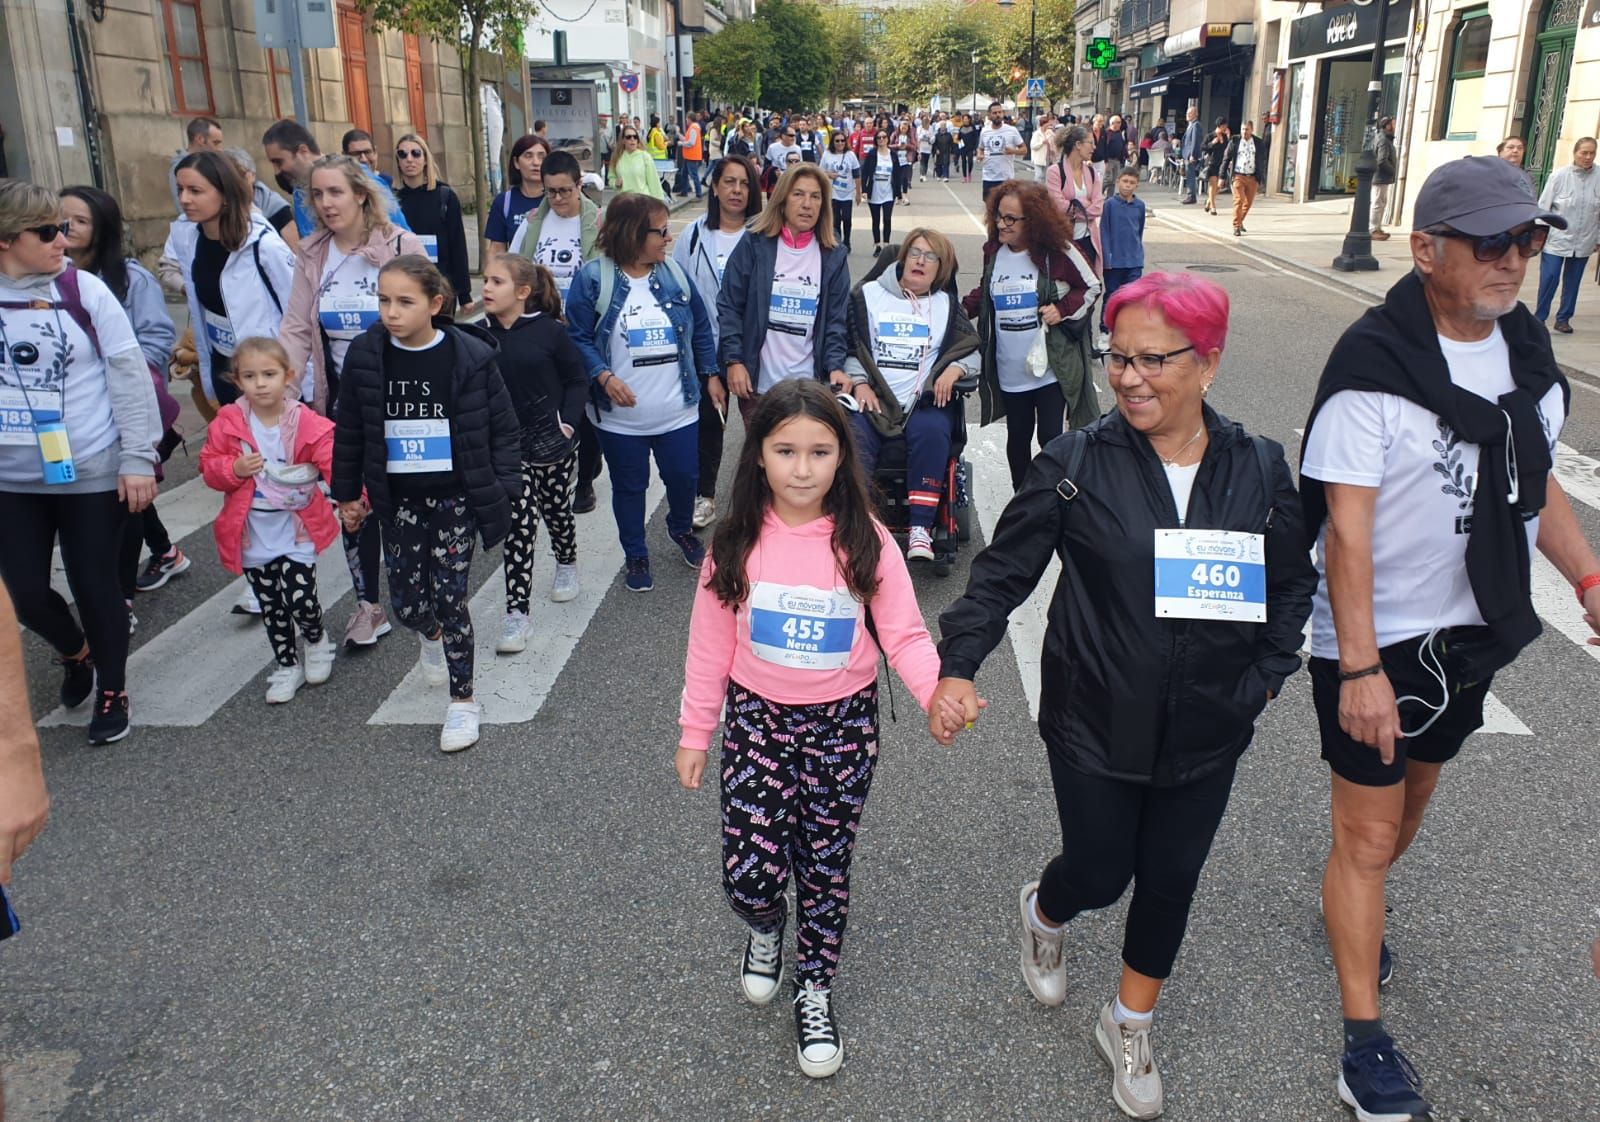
(1211, 574)
(801, 627)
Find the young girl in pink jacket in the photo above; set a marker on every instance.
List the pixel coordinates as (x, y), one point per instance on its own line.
(266, 454)
(802, 587)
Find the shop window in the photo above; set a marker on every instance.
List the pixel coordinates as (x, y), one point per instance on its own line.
(186, 50)
(1469, 61)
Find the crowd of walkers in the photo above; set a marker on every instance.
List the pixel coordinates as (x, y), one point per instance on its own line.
(351, 395)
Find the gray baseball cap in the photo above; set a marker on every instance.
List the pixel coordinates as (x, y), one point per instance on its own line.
(1479, 195)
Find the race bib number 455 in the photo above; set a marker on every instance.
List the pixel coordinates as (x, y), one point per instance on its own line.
(801, 627)
(1211, 574)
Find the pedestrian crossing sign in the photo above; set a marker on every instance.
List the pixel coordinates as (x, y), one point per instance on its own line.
(1035, 89)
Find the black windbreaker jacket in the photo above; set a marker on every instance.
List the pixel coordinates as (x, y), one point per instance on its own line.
(1124, 694)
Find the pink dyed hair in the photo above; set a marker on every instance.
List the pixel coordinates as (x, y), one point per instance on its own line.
(1193, 305)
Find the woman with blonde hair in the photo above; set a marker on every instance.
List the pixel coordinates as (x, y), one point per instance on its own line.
(785, 293)
(632, 169)
(333, 302)
(433, 212)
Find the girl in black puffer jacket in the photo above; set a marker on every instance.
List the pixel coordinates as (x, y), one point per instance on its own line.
(426, 424)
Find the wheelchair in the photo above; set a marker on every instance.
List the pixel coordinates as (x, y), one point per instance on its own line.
(952, 521)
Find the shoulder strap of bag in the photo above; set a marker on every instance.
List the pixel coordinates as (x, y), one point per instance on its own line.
(1264, 462)
(608, 284)
(71, 302)
(694, 238)
(255, 249)
(1078, 446)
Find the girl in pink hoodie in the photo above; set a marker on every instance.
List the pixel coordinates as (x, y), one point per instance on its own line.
(802, 589)
(267, 453)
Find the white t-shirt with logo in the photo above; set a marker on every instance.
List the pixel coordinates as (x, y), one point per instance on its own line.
(881, 190)
(840, 167)
(906, 336)
(722, 246)
(790, 346)
(1014, 288)
(347, 302)
(644, 354)
(992, 143)
(270, 533)
(1425, 475)
(560, 249)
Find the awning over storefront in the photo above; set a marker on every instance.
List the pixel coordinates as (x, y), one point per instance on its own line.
(1155, 87)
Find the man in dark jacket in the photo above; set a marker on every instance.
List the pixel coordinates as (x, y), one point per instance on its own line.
(1426, 473)
(1383, 176)
(1245, 161)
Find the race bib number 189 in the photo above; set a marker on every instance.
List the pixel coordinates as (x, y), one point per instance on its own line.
(1211, 574)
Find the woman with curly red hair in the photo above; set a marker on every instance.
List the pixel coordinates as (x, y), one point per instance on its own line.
(1033, 309)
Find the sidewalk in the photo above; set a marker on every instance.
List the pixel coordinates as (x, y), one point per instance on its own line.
(1306, 237)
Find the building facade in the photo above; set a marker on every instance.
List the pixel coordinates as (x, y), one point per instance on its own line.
(100, 91)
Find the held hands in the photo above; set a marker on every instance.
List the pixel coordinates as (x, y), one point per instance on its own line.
(1368, 713)
(691, 765)
(739, 380)
(617, 390)
(945, 385)
(248, 464)
(955, 705)
(353, 514)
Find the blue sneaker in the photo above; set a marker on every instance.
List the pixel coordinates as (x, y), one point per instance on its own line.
(639, 578)
(1385, 964)
(1380, 1084)
(693, 549)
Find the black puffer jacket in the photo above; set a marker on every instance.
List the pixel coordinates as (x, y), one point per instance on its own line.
(1124, 694)
(484, 434)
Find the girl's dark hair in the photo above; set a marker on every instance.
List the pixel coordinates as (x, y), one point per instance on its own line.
(856, 544)
(623, 235)
(426, 274)
(532, 140)
(543, 295)
(838, 136)
(1046, 226)
(105, 258)
(752, 181)
(233, 224)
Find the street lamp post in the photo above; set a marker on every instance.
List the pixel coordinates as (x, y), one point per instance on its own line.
(974, 81)
(1356, 254)
(1033, 47)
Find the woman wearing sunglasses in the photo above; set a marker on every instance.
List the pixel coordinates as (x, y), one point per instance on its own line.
(526, 192)
(78, 433)
(433, 212)
(632, 169)
(877, 189)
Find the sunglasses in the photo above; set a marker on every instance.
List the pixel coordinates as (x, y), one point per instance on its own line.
(1490, 248)
(408, 153)
(630, 136)
(49, 232)
(663, 231)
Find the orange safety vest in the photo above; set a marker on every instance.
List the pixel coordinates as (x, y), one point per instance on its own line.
(692, 148)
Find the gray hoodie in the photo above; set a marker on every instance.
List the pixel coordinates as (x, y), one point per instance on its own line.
(108, 400)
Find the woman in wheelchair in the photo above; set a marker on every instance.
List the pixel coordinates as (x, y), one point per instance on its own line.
(910, 344)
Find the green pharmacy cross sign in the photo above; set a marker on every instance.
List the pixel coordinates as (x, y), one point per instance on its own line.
(1100, 53)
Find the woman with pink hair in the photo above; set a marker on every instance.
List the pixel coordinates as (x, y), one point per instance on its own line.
(1185, 583)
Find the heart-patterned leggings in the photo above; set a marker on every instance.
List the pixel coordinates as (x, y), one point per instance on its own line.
(287, 590)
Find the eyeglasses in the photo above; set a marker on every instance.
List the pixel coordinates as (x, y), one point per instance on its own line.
(663, 232)
(560, 192)
(49, 232)
(1490, 248)
(1148, 365)
(408, 153)
(923, 256)
(788, 136)
(1010, 220)
(630, 136)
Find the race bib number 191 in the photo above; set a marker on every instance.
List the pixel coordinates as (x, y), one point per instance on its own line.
(1211, 574)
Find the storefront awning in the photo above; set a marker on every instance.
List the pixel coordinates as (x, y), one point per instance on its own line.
(1155, 87)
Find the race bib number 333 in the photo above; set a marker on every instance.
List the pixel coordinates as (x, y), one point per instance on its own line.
(1211, 574)
(801, 627)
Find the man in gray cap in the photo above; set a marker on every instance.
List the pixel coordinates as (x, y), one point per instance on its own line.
(1426, 480)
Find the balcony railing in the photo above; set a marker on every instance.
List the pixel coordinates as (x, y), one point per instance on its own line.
(1140, 14)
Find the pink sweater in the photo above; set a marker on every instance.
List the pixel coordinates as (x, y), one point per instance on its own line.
(801, 638)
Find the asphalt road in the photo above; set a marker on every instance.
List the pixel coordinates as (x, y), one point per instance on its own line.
(293, 913)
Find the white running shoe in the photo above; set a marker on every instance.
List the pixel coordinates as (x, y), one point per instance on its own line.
(433, 667)
(919, 544)
(565, 586)
(1042, 968)
(705, 512)
(460, 726)
(283, 683)
(133, 620)
(513, 633)
(319, 660)
(246, 604)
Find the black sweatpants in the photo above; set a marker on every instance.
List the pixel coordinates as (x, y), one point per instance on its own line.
(140, 530)
(1043, 410)
(287, 590)
(90, 531)
(363, 551)
(712, 428)
(590, 458)
(882, 213)
(1114, 832)
(843, 214)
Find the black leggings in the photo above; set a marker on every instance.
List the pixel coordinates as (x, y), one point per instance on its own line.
(843, 211)
(925, 157)
(142, 529)
(90, 531)
(1114, 832)
(546, 493)
(885, 213)
(902, 181)
(1043, 410)
(712, 427)
(287, 590)
(363, 551)
(589, 457)
(966, 163)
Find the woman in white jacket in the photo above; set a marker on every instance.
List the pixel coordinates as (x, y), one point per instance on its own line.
(236, 269)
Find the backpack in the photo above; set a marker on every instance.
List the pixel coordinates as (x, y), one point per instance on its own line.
(71, 302)
(608, 281)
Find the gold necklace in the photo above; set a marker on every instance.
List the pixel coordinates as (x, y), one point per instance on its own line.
(1173, 462)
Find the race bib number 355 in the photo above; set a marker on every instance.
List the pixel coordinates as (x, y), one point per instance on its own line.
(1211, 574)
(801, 627)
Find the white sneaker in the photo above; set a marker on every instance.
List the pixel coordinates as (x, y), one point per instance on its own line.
(319, 660)
(705, 512)
(919, 544)
(460, 726)
(818, 1045)
(513, 633)
(246, 604)
(283, 683)
(1042, 968)
(1135, 1079)
(433, 667)
(565, 586)
(133, 620)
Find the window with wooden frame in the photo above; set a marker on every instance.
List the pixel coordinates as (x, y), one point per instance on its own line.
(1469, 62)
(186, 51)
(280, 78)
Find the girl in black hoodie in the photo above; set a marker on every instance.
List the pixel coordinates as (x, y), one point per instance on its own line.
(545, 375)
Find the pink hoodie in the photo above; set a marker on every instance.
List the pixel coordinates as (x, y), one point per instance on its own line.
(810, 643)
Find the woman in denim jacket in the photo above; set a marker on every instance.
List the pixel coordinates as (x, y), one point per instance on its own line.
(647, 354)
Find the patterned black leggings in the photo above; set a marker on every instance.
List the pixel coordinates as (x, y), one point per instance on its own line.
(794, 781)
(546, 490)
(287, 590)
(428, 544)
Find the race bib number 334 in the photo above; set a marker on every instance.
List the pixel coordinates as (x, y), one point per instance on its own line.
(1211, 574)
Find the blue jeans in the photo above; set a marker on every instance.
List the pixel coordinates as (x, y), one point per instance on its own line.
(927, 437)
(1568, 272)
(691, 169)
(628, 457)
(1115, 279)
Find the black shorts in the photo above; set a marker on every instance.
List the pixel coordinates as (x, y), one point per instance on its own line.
(1463, 714)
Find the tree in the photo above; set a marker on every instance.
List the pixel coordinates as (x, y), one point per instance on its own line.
(927, 49)
(796, 72)
(1055, 47)
(728, 65)
(852, 37)
(471, 26)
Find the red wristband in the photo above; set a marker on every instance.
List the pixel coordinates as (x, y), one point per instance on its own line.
(1588, 582)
